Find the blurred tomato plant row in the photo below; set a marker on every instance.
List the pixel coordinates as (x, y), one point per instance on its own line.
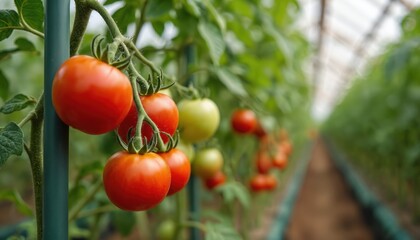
(224, 98)
(382, 134)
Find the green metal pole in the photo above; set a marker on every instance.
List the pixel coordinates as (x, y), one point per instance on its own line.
(55, 184)
(193, 184)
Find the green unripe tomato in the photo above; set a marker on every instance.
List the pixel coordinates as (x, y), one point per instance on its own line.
(198, 119)
(208, 162)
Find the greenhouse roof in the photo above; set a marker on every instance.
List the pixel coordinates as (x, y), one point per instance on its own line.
(346, 34)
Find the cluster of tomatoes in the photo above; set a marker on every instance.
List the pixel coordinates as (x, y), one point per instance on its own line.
(271, 153)
(95, 97)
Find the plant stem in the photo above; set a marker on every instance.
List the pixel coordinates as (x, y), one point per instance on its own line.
(36, 159)
(81, 21)
(181, 209)
(112, 26)
(96, 211)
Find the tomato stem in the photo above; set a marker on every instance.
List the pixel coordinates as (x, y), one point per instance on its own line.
(81, 21)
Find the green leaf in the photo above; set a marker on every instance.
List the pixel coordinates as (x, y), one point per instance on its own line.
(124, 17)
(4, 86)
(9, 19)
(221, 231)
(124, 222)
(230, 80)
(14, 197)
(192, 7)
(17, 103)
(234, 190)
(24, 44)
(156, 9)
(32, 12)
(11, 142)
(213, 38)
(216, 16)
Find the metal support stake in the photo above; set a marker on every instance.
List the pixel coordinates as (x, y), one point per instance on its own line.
(193, 187)
(55, 184)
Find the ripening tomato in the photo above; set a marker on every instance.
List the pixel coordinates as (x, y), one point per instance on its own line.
(135, 182)
(180, 169)
(280, 160)
(243, 121)
(216, 180)
(270, 182)
(286, 147)
(161, 109)
(207, 162)
(258, 183)
(263, 162)
(90, 95)
(198, 119)
(166, 230)
(259, 131)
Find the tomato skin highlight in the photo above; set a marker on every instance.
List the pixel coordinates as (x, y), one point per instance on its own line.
(207, 162)
(244, 121)
(90, 95)
(180, 169)
(216, 180)
(198, 119)
(136, 182)
(161, 109)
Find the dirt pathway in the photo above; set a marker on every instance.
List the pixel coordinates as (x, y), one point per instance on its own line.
(325, 208)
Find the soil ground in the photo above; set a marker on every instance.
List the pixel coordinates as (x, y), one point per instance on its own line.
(325, 208)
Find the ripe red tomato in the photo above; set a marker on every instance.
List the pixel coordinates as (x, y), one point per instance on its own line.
(161, 109)
(244, 121)
(258, 183)
(263, 162)
(270, 182)
(280, 160)
(207, 162)
(259, 131)
(136, 182)
(263, 182)
(90, 95)
(198, 119)
(216, 180)
(180, 169)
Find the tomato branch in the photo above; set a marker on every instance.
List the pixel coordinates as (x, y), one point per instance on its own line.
(140, 23)
(81, 21)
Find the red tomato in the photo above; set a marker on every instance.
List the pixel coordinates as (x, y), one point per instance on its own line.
(161, 109)
(216, 180)
(136, 182)
(180, 169)
(244, 121)
(270, 182)
(263, 162)
(90, 95)
(258, 183)
(259, 131)
(280, 160)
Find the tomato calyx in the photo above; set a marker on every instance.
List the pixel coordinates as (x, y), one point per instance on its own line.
(110, 52)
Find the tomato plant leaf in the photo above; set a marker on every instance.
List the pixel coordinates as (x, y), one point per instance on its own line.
(234, 190)
(32, 12)
(17, 103)
(221, 231)
(9, 19)
(192, 7)
(213, 38)
(157, 9)
(4, 86)
(11, 142)
(24, 44)
(124, 16)
(230, 80)
(14, 197)
(216, 16)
